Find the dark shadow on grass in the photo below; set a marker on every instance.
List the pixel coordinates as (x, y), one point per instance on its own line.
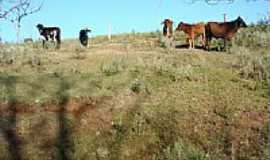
(186, 46)
(64, 144)
(8, 119)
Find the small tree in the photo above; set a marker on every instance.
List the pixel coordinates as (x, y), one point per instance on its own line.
(17, 11)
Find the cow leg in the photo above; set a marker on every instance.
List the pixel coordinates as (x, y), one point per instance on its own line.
(87, 43)
(43, 43)
(203, 41)
(192, 40)
(187, 41)
(225, 45)
(190, 43)
(58, 39)
(58, 45)
(55, 43)
(208, 43)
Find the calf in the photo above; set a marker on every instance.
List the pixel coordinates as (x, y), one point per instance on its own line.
(50, 33)
(192, 31)
(84, 37)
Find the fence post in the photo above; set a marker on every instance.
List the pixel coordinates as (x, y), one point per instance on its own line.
(110, 32)
(225, 17)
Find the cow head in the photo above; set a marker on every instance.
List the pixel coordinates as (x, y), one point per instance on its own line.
(180, 26)
(40, 27)
(241, 22)
(167, 28)
(87, 30)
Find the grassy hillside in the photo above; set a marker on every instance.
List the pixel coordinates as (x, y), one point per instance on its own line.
(136, 98)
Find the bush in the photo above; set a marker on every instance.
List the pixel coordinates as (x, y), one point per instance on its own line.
(252, 66)
(113, 67)
(138, 86)
(10, 53)
(182, 151)
(257, 37)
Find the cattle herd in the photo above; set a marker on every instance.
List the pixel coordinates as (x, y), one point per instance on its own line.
(207, 31)
(54, 34)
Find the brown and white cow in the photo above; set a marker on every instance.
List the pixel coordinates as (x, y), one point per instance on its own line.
(167, 28)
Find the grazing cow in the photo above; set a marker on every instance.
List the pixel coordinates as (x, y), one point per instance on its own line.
(167, 28)
(50, 33)
(192, 31)
(84, 36)
(225, 30)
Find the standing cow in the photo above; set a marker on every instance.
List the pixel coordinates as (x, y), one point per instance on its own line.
(167, 28)
(50, 33)
(192, 31)
(84, 37)
(225, 30)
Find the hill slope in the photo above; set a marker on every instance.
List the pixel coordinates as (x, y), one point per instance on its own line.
(133, 98)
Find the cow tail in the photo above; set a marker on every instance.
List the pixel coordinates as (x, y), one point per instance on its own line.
(207, 31)
(58, 38)
(207, 36)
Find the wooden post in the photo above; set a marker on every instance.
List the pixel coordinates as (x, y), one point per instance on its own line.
(225, 17)
(110, 32)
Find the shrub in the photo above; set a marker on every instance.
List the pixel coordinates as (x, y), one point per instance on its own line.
(257, 37)
(138, 86)
(10, 53)
(252, 66)
(183, 151)
(113, 67)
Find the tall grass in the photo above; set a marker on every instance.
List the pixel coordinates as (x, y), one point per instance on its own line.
(255, 37)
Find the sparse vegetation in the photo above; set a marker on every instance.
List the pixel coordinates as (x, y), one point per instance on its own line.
(130, 99)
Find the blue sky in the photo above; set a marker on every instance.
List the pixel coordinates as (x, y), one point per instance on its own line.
(128, 15)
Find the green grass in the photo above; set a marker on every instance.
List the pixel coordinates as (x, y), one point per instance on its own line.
(131, 98)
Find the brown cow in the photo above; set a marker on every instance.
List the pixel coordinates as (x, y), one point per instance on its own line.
(192, 31)
(225, 30)
(167, 28)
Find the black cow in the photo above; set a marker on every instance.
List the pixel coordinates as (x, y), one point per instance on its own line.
(84, 36)
(50, 33)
